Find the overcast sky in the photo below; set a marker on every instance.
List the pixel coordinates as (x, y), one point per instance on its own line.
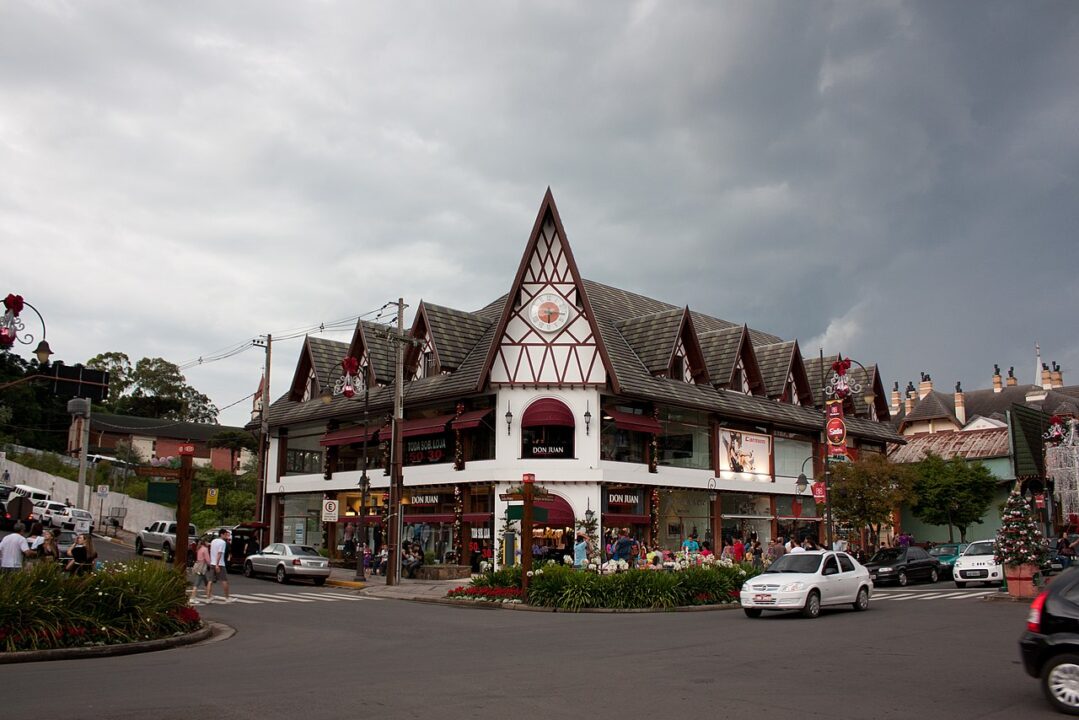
(896, 181)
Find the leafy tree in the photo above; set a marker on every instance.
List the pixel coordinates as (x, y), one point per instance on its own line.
(952, 492)
(236, 441)
(153, 387)
(35, 417)
(865, 493)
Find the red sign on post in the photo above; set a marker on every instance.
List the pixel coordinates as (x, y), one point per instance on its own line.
(820, 493)
(1039, 500)
(185, 449)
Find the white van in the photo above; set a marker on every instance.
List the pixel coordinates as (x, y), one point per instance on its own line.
(32, 492)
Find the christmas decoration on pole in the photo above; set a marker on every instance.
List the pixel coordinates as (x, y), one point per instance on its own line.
(458, 524)
(347, 383)
(1062, 463)
(1020, 547)
(458, 446)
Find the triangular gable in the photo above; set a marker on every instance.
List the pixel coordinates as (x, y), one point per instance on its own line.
(729, 354)
(666, 344)
(803, 389)
(314, 369)
(695, 369)
(452, 335)
(421, 360)
(568, 350)
(784, 373)
(373, 348)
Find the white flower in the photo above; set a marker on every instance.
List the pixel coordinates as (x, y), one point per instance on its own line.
(567, 560)
(529, 573)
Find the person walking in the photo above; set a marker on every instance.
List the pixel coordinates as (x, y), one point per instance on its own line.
(580, 550)
(738, 550)
(82, 555)
(1065, 551)
(201, 570)
(757, 554)
(14, 549)
(218, 569)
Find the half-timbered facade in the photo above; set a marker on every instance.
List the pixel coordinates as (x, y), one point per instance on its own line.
(642, 414)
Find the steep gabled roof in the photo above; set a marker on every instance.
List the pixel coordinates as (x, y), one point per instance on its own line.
(934, 406)
(454, 332)
(774, 361)
(380, 349)
(720, 348)
(653, 337)
(322, 356)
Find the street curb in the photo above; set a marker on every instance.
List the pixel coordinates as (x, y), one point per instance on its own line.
(97, 651)
(114, 541)
(1005, 597)
(356, 584)
(486, 605)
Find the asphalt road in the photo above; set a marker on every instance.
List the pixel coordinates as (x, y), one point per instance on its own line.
(923, 652)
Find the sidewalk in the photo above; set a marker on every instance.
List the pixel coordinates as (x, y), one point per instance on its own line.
(407, 590)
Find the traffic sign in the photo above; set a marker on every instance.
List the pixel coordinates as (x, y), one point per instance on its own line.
(330, 510)
(211, 496)
(102, 490)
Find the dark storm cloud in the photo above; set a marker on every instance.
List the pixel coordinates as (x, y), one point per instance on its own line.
(894, 180)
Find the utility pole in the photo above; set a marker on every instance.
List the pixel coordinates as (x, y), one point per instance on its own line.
(80, 408)
(393, 568)
(183, 507)
(264, 434)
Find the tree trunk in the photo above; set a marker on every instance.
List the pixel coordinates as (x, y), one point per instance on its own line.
(963, 534)
(951, 536)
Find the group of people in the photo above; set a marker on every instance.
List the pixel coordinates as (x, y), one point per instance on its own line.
(211, 567)
(44, 546)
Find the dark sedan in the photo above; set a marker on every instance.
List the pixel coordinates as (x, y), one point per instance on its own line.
(1050, 645)
(903, 565)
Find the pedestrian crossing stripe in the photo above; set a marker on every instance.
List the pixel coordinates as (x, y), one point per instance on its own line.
(258, 598)
(936, 595)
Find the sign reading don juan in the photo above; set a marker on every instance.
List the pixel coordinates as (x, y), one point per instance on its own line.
(743, 452)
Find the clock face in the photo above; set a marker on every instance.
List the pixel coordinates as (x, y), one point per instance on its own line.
(548, 312)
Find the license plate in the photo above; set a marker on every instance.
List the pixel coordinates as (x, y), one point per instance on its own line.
(762, 597)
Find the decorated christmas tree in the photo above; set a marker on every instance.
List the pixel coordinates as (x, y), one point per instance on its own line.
(1019, 540)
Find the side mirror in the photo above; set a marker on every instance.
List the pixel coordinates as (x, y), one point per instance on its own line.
(147, 528)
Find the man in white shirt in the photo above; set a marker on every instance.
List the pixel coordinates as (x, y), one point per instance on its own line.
(218, 572)
(13, 548)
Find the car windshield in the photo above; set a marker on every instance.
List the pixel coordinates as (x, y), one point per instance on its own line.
(944, 550)
(81, 514)
(980, 548)
(888, 555)
(795, 563)
(303, 550)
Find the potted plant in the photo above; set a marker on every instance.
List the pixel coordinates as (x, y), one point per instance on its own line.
(1020, 545)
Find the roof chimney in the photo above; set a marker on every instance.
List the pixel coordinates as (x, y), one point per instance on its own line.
(925, 386)
(908, 406)
(997, 386)
(960, 404)
(1047, 377)
(893, 407)
(1057, 376)
(1011, 377)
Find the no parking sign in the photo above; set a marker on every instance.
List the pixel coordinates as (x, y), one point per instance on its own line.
(329, 510)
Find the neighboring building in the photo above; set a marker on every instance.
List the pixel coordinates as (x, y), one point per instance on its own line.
(155, 438)
(648, 415)
(1000, 426)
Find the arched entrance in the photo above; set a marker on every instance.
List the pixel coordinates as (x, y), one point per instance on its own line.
(552, 538)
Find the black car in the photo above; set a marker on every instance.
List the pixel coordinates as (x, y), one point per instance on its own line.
(1050, 645)
(903, 565)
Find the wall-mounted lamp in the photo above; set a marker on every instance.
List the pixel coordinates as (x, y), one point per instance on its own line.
(509, 419)
(587, 418)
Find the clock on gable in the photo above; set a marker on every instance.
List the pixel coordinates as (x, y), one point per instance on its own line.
(548, 312)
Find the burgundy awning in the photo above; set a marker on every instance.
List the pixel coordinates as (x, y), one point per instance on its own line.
(350, 436)
(477, 517)
(559, 513)
(425, 426)
(429, 518)
(631, 421)
(547, 411)
(470, 419)
(618, 519)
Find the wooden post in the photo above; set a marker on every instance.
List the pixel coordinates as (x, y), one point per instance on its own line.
(527, 480)
(183, 508)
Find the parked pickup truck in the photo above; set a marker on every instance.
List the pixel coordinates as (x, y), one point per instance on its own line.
(159, 538)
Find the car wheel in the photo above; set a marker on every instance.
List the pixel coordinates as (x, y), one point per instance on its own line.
(281, 576)
(1060, 682)
(903, 579)
(319, 582)
(166, 553)
(752, 612)
(960, 585)
(934, 576)
(862, 601)
(249, 570)
(812, 606)
(138, 546)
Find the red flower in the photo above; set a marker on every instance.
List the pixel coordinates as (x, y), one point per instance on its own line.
(14, 303)
(350, 365)
(1056, 420)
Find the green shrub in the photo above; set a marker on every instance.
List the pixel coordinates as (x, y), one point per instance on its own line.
(43, 607)
(507, 577)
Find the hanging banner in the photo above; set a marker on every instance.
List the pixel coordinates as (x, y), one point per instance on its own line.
(820, 493)
(745, 453)
(835, 430)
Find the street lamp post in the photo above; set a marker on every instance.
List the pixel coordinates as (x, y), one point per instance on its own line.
(837, 389)
(13, 330)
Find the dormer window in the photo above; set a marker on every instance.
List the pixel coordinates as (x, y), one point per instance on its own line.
(425, 364)
(311, 388)
(678, 366)
(739, 380)
(793, 390)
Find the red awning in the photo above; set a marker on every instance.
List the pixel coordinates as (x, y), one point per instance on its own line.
(547, 411)
(618, 519)
(475, 518)
(559, 513)
(470, 419)
(350, 436)
(425, 426)
(429, 518)
(631, 421)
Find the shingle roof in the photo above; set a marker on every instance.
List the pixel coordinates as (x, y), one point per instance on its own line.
(326, 355)
(653, 337)
(454, 332)
(774, 361)
(720, 348)
(934, 406)
(973, 445)
(380, 349)
(156, 427)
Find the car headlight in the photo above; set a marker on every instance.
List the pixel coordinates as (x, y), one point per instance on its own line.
(886, 569)
(794, 587)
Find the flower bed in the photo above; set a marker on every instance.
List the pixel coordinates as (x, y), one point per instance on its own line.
(565, 588)
(43, 608)
(489, 594)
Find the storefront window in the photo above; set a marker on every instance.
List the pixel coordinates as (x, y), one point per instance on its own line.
(685, 439)
(302, 519)
(427, 450)
(793, 457)
(303, 462)
(623, 445)
(746, 515)
(684, 513)
(547, 441)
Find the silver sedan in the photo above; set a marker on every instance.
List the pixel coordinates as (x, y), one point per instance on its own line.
(286, 562)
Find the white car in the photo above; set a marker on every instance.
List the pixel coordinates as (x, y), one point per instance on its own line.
(48, 512)
(72, 518)
(807, 582)
(977, 564)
